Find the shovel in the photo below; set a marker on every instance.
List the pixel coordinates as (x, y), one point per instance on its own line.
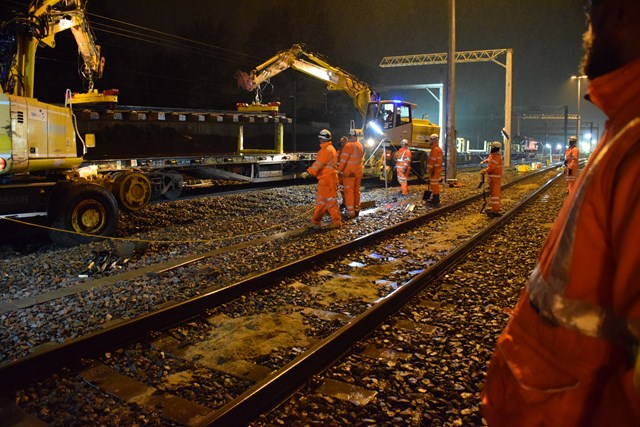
(427, 193)
(484, 193)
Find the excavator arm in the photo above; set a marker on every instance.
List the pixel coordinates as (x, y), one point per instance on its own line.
(45, 19)
(313, 65)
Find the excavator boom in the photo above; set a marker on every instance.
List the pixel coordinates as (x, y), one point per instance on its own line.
(45, 19)
(311, 64)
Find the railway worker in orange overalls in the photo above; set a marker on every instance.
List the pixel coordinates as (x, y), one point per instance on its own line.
(569, 355)
(325, 169)
(403, 166)
(494, 172)
(434, 168)
(571, 163)
(350, 169)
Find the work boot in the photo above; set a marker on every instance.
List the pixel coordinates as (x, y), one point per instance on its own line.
(435, 200)
(313, 226)
(493, 214)
(334, 225)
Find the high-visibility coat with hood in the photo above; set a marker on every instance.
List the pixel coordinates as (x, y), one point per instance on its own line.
(567, 355)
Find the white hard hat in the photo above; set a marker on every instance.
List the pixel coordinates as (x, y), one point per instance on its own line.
(324, 135)
(404, 142)
(353, 132)
(572, 139)
(434, 136)
(496, 144)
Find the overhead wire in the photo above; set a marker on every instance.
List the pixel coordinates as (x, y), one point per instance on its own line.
(204, 45)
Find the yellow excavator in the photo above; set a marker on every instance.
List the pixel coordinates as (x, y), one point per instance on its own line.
(385, 122)
(41, 151)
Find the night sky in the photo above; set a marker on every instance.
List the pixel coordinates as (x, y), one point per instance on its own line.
(184, 54)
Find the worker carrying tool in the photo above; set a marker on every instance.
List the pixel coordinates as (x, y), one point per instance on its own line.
(434, 168)
(350, 170)
(571, 156)
(403, 166)
(325, 169)
(569, 355)
(494, 172)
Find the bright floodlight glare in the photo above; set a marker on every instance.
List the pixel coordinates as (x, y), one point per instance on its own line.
(587, 135)
(373, 125)
(370, 142)
(548, 146)
(559, 146)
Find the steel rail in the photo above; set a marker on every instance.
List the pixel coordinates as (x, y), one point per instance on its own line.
(44, 361)
(281, 384)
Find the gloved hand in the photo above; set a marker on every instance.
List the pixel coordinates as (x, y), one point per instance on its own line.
(304, 175)
(565, 163)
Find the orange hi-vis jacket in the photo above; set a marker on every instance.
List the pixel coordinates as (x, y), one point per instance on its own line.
(325, 169)
(494, 172)
(434, 167)
(403, 166)
(569, 355)
(326, 164)
(350, 164)
(350, 161)
(571, 156)
(403, 160)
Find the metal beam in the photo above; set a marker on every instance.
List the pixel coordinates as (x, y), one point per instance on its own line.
(466, 57)
(441, 58)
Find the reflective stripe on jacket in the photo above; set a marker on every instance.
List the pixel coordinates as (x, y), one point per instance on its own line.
(494, 166)
(403, 160)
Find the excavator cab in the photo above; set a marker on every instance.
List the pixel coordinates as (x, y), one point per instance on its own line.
(389, 119)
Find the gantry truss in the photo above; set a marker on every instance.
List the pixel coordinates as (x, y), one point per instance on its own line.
(441, 58)
(466, 57)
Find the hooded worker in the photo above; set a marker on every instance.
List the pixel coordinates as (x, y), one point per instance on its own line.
(350, 169)
(571, 156)
(325, 169)
(494, 172)
(403, 165)
(569, 355)
(434, 168)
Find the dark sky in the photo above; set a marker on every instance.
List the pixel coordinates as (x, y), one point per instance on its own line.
(219, 37)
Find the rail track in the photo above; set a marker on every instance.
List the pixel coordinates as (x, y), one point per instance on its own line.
(345, 292)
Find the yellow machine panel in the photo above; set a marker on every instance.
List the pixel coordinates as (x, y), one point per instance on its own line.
(42, 136)
(422, 130)
(5, 133)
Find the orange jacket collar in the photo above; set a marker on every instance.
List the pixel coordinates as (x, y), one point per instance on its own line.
(615, 90)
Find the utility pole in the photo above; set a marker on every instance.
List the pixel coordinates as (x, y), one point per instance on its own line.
(507, 106)
(579, 78)
(451, 170)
